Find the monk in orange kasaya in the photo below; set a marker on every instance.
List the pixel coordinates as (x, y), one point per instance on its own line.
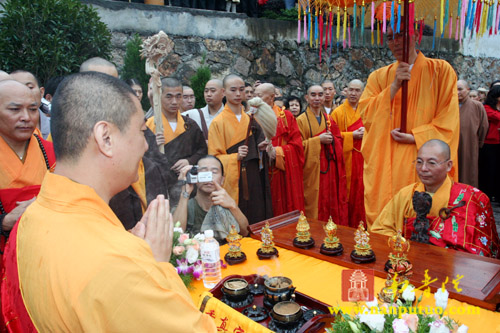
(349, 121)
(325, 190)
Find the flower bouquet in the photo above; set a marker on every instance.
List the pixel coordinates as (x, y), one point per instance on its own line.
(186, 255)
(400, 317)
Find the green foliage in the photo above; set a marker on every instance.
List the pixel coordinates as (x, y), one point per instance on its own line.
(198, 82)
(50, 37)
(283, 15)
(135, 67)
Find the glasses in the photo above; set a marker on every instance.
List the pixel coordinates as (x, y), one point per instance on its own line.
(430, 164)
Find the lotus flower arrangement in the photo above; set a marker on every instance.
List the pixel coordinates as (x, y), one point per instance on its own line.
(381, 318)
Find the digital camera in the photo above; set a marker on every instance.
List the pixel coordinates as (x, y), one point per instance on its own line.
(193, 176)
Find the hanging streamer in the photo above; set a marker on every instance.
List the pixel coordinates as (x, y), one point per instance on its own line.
(330, 28)
(384, 19)
(472, 16)
(451, 27)
(457, 28)
(354, 24)
(338, 24)
(305, 26)
(421, 31)
(434, 33)
(344, 27)
(349, 33)
(299, 30)
(411, 13)
(463, 19)
(316, 27)
(469, 14)
(490, 18)
(398, 27)
(320, 34)
(441, 18)
(497, 24)
(478, 16)
(379, 33)
(393, 7)
(327, 34)
(373, 14)
(310, 29)
(446, 12)
(362, 23)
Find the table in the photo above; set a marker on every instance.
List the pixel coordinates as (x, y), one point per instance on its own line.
(321, 279)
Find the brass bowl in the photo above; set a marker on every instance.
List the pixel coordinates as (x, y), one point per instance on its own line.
(287, 312)
(236, 288)
(278, 284)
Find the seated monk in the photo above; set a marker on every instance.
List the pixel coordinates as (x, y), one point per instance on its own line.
(25, 156)
(212, 207)
(79, 269)
(460, 218)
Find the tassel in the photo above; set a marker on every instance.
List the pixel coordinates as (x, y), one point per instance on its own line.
(330, 31)
(398, 27)
(305, 26)
(463, 19)
(310, 29)
(384, 19)
(411, 12)
(446, 12)
(354, 24)
(441, 19)
(316, 27)
(320, 34)
(373, 37)
(327, 34)
(497, 24)
(422, 24)
(344, 27)
(469, 13)
(362, 24)
(478, 16)
(378, 32)
(451, 27)
(457, 28)
(349, 34)
(373, 14)
(472, 16)
(299, 30)
(393, 7)
(434, 33)
(338, 25)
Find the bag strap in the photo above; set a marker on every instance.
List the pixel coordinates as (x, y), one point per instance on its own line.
(203, 125)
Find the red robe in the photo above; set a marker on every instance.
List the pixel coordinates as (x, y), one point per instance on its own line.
(325, 186)
(286, 175)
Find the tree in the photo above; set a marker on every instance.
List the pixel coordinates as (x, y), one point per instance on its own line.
(198, 82)
(135, 68)
(50, 37)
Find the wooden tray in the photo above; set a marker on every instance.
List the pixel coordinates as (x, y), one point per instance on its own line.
(316, 324)
(481, 276)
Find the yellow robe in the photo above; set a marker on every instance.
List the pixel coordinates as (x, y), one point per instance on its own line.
(400, 207)
(344, 115)
(226, 131)
(81, 271)
(433, 113)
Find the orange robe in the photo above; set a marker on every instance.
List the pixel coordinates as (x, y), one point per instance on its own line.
(433, 113)
(287, 187)
(225, 135)
(81, 271)
(349, 120)
(325, 189)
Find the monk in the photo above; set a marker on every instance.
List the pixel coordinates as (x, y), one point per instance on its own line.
(469, 224)
(330, 92)
(325, 188)
(97, 64)
(25, 156)
(351, 127)
(473, 130)
(182, 138)
(287, 157)
(97, 276)
(246, 180)
(432, 113)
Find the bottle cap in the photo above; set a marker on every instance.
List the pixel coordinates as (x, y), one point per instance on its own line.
(209, 233)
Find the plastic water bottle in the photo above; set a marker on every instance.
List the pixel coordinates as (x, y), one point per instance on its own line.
(210, 257)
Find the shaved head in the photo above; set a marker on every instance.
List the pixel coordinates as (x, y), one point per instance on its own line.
(4, 76)
(356, 83)
(463, 91)
(101, 65)
(215, 83)
(229, 78)
(76, 110)
(463, 83)
(314, 86)
(266, 92)
(443, 148)
(170, 82)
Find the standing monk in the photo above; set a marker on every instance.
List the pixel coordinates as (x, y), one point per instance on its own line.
(246, 178)
(432, 114)
(325, 188)
(473, 130)
(349, 121)
(287, 156)
(25, 156)
(330, 93)
(183, 139)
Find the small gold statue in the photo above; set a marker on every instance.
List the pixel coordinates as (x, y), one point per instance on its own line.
(398, 267)
(235, 255)
(331, 245)
(303, 238)
(362, 252)
(267, 249)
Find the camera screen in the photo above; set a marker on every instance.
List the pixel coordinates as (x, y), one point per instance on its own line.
(205, 176)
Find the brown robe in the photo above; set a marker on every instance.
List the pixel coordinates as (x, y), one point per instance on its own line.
(473, 129)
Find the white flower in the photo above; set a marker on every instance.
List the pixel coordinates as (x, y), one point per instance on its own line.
(441, 298)
(438, 327)
(409, 293)
(374, 321)
(199, 237)
(191, 255)
(463, 329)
(179, 230)
(372, 304)
(399, 326)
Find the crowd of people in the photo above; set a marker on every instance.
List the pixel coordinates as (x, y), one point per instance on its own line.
(247, 156)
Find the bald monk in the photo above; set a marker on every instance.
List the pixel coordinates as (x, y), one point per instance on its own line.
(469, 225)
(246, 171)
(473, 130)
(4, 76)
(287, 157)
(100, 65)
(325, 189)
(25, 156)
(432, 114)
(330, 93)
(97, 276)
(182, 138)
(351, 127)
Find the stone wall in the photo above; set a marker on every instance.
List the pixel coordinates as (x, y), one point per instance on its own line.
(267, 50)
